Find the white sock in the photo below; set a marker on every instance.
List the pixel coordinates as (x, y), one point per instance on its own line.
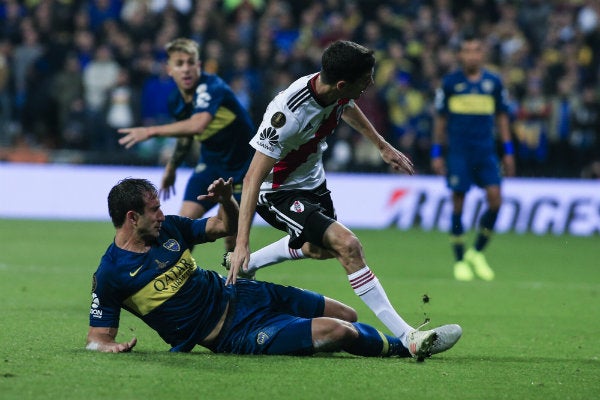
(274, 253)
(367, 287)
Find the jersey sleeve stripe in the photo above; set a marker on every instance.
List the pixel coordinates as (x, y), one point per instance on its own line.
(296, 100)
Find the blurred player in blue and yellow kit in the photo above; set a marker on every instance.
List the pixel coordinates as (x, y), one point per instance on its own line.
(207, 111)
(469, 105)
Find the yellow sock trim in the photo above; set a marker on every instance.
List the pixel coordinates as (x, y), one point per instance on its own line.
(386, 345)
(457, 239)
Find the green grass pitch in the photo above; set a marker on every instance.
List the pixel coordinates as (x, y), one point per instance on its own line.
(533, 333)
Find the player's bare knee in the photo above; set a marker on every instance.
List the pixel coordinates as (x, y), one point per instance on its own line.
(348, 314)
(331, 334)
(350, 247)
(344, 332)
(316, 252)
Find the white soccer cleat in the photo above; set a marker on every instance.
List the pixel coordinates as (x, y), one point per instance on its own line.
(446, 337)
(420, 343)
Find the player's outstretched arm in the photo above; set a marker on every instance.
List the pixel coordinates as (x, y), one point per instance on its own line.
(354, 117)
(508, 159)
(103, 339)
(259, 168)
(438, 166)
(225, 222)
(167, 184)
(192, 126)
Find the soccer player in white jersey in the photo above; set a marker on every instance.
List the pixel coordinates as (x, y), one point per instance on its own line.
(285, 183)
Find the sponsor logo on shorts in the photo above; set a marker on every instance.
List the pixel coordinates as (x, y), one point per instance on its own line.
(297, 207)
(94, 309)
(261, 338)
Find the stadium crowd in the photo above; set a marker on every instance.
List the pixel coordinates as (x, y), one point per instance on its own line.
(73, 72)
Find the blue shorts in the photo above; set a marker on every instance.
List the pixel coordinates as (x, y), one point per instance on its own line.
(204, 175)
(466, 170)
(260, 313)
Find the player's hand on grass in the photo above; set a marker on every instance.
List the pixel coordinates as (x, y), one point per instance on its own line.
(133, 136)
(113, 347)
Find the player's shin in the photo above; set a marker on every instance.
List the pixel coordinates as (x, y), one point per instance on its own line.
(457, 238)
(367, 287)
(486, 226)
(273, 253)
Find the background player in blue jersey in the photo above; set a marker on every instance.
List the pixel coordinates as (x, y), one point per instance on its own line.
(149, 271)
(471, 101)
(207, 111)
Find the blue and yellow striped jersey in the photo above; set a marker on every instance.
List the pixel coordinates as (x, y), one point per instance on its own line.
(470, 108)
(164, 286)
(225, 139)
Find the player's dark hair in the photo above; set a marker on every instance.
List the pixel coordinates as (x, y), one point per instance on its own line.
(345, 61)
(129, 194)
(468, 36)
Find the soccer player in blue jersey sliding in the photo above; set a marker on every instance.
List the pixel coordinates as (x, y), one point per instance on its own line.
(207, 111)
(470, 104)
(149, 271)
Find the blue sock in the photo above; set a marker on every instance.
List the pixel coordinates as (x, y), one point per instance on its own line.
(372, 343)
(456, 237)
(486, 226)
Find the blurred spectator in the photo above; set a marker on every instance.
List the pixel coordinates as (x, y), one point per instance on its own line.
(533, 21)
(588, 17)
(66, 89)
(531, 128)
(155, 89)
(259, 46)
(5, 95)
(38, 115)
(84, 46)
(11, 14)
(585, 125)
(99, 76)
(120, 107)
(138, 20)
(181, 6)
(561, 108)
(24, 56)
(100, 11)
